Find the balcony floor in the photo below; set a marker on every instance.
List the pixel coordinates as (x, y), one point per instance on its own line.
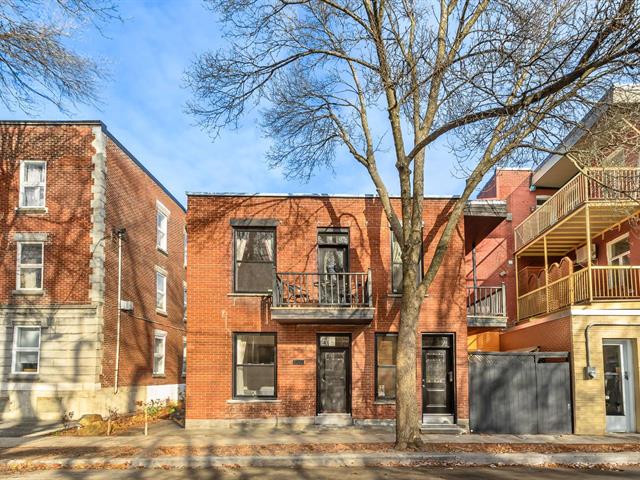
(570, 231)
(323, 315)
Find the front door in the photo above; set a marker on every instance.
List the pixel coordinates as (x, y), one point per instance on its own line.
(438, 378)
(619, 386)
(334, 379)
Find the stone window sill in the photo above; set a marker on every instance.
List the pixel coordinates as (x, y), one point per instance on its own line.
(384, 402)
(162, 312)
(253, 400)
(159, 375)
(162, 251)
(241, 294)
(32, 210)
(34, 293)
(24, 377)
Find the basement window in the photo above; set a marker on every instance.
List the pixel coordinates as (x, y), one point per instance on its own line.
(26, 350)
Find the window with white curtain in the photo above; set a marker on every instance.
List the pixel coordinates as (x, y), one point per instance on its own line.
(159, 351)
(254, 365)
(33, 182)
(184, 356)
(26, 350)
(30, 266)
(254, 252)
(161, 292)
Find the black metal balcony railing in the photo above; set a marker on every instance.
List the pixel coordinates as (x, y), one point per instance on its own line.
(300, 289)
(486, 306)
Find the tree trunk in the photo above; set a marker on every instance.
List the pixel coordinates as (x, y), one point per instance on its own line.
(407, 406)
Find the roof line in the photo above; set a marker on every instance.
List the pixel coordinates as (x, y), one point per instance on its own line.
(310, 195)
(52, 122)
(142, 167)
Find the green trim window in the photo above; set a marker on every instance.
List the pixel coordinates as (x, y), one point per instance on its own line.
(385, 365)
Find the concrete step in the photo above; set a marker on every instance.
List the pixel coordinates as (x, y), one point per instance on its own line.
(444, 429)
(334, 419)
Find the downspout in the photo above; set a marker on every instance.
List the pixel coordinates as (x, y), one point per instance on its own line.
(589, 371)
(475, 278)
(120, 233)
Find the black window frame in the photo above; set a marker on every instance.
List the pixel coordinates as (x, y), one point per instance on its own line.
(234, 365)
(235, 261)
(376, 365)
(420, 263)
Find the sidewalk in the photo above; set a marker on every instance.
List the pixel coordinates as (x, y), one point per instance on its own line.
(169, 446)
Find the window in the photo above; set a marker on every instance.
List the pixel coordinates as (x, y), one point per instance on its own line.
(254, 365)
(161, 292)
(396, 266)
(26, 350)
(184, 302)
(386, 351)
(541, 199)
(254, 251)
(159, 348)
(30, 265)
(620, 251)
(162, 220)
(33, 175)
(184, 356)
(185, 247)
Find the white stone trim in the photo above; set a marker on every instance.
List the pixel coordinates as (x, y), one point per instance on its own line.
(98, 215)
(162, 208)
(31, 237)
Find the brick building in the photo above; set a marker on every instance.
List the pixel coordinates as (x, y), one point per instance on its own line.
(294, 312)
(571, 260)
(77, 209)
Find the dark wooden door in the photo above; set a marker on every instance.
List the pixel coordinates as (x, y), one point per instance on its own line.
(333, 380)
(437, 375)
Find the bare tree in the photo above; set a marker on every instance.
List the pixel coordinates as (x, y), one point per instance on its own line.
(502, 79)
(35, 62)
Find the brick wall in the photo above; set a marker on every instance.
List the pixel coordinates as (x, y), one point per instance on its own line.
(549, 335)
(495, 252)
(215, 313)
(67, 151)
(131, 204)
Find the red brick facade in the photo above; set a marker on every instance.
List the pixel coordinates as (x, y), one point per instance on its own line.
(131, 204)
(216, 313)
(92, 185)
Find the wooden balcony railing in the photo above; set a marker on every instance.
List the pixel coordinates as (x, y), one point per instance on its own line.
(300, 289)
(486, 301)
(616, 184)
(603, 283)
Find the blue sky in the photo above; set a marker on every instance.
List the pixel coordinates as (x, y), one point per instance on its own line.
(143, 106)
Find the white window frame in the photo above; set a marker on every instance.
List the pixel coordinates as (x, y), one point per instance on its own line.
(43, 184)
(15, 349)
(19, 266)
(162, 335)
(610, 245)
(161, 274)
(162, 242)
(185, 248)
(184, 356)
(184, 301)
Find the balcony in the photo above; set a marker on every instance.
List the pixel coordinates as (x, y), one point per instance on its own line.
(322, 298)
(612, 194)
(486, 307)
(596, 283)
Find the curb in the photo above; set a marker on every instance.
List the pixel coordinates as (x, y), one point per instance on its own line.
(346, 460)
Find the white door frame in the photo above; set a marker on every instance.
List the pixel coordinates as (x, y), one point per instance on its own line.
(627, 422)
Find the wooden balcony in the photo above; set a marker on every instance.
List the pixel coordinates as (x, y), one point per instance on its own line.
(322, 298)
(612, 195)
(487, 307)
(592, 284)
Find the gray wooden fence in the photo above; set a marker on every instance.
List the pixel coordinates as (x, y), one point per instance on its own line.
(520, 392)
